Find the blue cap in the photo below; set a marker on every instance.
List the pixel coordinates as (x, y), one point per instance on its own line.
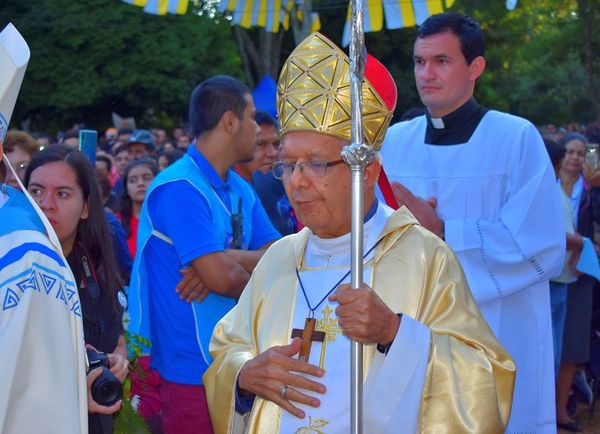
(142, 136)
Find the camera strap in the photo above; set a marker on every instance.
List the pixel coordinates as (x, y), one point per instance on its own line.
(90, 279)
(89, 292)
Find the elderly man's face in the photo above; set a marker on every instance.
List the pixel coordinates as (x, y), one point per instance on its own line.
(321, 203)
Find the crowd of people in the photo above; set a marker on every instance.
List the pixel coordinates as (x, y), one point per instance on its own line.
(223, 246)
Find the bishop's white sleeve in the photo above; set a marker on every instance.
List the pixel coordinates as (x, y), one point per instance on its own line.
(394, 386)
(526, 244)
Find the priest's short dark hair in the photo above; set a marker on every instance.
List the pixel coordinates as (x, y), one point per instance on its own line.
(468, 31)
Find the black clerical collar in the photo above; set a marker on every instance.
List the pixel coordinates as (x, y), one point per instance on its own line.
(454, 128)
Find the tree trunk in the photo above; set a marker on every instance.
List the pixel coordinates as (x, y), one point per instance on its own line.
(239, 34)
(262, 59)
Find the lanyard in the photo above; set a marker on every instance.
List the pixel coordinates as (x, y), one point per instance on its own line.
(312, 309)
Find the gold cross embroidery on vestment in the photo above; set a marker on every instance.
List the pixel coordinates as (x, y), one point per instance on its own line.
(331, 329)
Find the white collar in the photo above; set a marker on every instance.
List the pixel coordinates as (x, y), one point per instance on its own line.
(438, 123)
(323, 252)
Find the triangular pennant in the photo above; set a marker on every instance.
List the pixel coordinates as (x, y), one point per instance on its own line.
(11, 299)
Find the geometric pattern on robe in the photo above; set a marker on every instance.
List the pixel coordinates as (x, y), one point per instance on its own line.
(469, 378)
(41, 333)
(498, 197)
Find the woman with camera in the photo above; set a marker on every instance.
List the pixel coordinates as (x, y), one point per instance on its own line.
(63, 183)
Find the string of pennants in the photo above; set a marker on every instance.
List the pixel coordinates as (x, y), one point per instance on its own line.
(270, 14)
(273, 15)
(162, 7)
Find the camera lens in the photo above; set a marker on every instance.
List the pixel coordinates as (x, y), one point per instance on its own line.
(106, 389)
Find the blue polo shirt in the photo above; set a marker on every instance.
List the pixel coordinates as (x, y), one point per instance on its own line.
(183, 214)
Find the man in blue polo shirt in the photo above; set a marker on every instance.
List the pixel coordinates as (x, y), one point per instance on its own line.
(197, 214)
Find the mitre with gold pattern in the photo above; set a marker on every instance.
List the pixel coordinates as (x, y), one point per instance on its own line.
(313, 93)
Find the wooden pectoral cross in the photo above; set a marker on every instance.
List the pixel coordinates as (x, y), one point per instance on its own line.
(308, 335)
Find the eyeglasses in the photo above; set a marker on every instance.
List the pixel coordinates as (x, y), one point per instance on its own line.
(310, 169)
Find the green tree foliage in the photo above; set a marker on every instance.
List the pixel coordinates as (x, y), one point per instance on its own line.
(535, 59)
(90, 58)
(537, 65)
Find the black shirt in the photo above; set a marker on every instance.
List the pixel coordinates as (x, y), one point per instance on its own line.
(102, 319)
(457, 127)
(101, 312)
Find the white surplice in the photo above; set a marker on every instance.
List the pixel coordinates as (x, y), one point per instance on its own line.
(498, 197)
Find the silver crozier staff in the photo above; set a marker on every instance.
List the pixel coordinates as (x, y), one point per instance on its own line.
(358, 155)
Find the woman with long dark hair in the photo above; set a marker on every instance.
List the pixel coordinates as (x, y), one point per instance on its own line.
(63, 183)
(137, 177)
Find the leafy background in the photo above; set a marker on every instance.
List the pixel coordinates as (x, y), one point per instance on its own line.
(92, 57)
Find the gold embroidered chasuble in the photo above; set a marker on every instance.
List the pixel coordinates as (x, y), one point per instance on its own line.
(470, 378)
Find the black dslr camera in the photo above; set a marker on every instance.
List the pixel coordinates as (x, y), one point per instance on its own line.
(106, 389)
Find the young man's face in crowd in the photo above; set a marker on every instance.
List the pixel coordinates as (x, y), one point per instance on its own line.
(121, 160)
(137, 150)
(183, 142)
(102, 167)
(267, 148)
(246, 134)
(444, 79)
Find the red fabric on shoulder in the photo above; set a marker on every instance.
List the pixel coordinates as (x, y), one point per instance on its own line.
(386, 190)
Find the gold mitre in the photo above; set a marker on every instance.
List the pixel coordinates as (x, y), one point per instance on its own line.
(313, 93)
